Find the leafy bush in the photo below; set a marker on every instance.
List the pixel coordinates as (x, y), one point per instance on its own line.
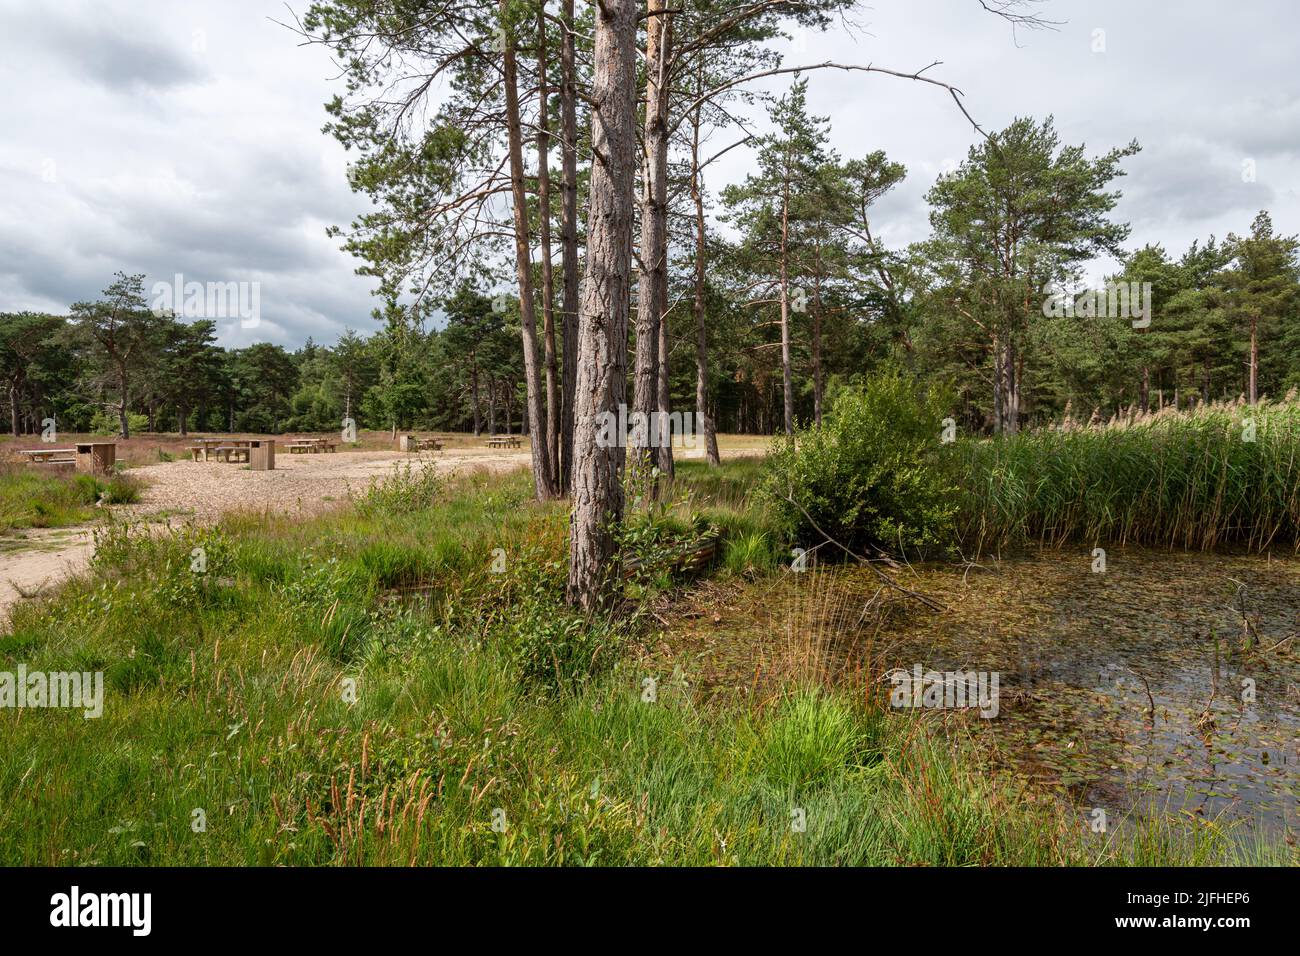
(106, 423)
(557, 649)
(121, 490)
(409, 488)
(869, 476)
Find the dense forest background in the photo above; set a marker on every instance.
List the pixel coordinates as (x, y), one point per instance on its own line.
(863, 307)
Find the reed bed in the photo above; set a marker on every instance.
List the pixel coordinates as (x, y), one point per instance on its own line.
(1220, 475)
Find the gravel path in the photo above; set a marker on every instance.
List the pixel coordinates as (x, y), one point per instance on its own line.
(206, 490)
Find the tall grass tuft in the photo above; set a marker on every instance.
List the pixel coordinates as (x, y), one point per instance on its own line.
(1226, 474)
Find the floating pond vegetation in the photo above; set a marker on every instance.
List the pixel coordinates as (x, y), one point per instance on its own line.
(1170, 682)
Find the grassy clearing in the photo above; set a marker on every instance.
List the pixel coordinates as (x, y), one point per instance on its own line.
(490, 725)
(1219, 475)
(33, 499)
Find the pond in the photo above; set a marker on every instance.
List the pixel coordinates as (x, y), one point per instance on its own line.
(1166, 681)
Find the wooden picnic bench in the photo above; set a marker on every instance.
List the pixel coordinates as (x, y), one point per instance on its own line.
(509, 441)
(229, 453)
(207, 447)
(410, 443)
(311, 446)
(43, 456)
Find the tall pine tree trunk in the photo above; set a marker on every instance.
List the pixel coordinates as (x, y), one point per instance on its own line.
(1254, 359)
(817, 350)
(703, 420)
(523, 268)
(664, 445)
(553, 411)
(478, 414)
(652, 294)
(123, 420)
(999, 386)
(602, 331)
(569, 238)
(787, 381)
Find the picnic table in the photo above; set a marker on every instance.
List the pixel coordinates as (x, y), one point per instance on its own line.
(229, 453)
(508, 441)
(410, 443)
(311, 446)
(208, 446)
(50, 456)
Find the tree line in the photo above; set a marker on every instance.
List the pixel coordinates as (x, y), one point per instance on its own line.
(115, 366)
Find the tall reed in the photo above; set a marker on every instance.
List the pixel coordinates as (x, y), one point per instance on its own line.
(1225, 474)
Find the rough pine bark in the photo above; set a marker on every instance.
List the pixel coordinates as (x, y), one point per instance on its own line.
(569, 237)
(652, 294)
(523, 267)
(787, 379)
(703, 420)
(553, 412)
(664, 444)
(603, 313)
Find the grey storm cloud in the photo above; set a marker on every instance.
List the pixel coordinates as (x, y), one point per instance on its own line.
(161, 137)
(99, 45)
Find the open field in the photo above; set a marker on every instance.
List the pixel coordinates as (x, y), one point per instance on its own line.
(151, 448)
(174, 492)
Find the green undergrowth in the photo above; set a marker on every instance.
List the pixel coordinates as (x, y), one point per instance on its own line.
(401, 682)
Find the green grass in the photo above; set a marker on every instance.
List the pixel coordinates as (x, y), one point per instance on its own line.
(33, 499)
(726, 498)
(490, 724)
(1182, 480)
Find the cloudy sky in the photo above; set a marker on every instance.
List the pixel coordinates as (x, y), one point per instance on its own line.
(183, 136)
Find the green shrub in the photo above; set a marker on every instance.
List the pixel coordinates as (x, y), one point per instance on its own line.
(86, 489)
(557, 649)
(869, 477)
(106, 423)
(409, 488)
(122, 490)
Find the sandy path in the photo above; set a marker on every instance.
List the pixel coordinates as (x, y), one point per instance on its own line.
(182, 490)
